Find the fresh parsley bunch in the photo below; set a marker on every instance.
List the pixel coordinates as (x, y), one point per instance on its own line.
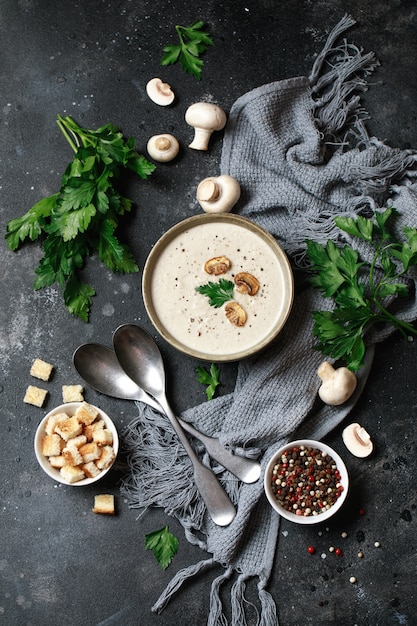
(83, 215)
(193, 41)
(360, 290)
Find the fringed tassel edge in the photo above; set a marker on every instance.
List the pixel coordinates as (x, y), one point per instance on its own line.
(177, 582)
(336, 110)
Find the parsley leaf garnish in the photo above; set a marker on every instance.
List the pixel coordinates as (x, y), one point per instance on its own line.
(83, 216)
(361, 290)
(163, 544)
(209, 378)
(193, 41)
(218, 293)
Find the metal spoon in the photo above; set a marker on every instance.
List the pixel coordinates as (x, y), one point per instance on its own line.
(100, 368)
(139, 356)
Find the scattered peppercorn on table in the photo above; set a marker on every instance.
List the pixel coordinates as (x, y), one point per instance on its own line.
(78, 556)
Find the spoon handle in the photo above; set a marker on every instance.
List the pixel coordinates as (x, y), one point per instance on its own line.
(218, 503)
(247, 470)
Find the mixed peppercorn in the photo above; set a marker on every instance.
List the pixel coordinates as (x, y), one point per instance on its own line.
(306, 481)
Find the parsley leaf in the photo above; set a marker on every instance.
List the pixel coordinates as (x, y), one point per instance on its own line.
(163, 544)
(193, 41)
(218, 293)
(209, 378)
(82, 217)
(361, 291)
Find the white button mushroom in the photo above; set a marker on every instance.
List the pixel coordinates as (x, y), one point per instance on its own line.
(205, 118)
(357, 440)
(160, 92)
(163, 148)
(218, 194)
(338, 384)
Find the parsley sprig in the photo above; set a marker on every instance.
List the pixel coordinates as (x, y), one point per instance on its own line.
(83, 215)
(211, 378)
(360, 290)
(193, 41)
(163, 544)
(218, 293)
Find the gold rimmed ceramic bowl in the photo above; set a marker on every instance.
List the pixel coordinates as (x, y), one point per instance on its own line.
(199, 324)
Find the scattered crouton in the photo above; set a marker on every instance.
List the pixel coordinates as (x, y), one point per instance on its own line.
(35, 396)
(41, 369)
(72, 393)
(104, 504)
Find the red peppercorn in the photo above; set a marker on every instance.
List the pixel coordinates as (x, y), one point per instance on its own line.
(311, 549)
(339, 552)
(361, 511)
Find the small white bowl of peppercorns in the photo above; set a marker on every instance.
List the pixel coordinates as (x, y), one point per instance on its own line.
(306, 481)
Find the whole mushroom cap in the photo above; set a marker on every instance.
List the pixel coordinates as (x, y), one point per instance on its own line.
(163, 147)
(205, 115)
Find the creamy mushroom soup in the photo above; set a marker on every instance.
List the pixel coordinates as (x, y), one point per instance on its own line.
(188, 316)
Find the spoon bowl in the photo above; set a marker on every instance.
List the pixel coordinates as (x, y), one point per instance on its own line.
(99, 367)
(141, 359)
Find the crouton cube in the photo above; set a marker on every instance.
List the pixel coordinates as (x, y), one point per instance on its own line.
(86, 414)
(103, 437)
(72, 455)
(90, 469)
(69, 428)
(41, 369)
(77, 441)
(104, 504)
(72, 393)
(51, 445)
(57, 461)
(90, 452)
(35, 396)
(71, 474)
(53, 420)
(106, 457)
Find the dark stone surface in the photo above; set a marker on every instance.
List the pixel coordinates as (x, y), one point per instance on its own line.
(59, 563)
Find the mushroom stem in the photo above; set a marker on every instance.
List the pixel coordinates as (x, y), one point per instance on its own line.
(201, 139)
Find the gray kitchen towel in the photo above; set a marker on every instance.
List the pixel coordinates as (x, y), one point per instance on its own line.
(300, 151)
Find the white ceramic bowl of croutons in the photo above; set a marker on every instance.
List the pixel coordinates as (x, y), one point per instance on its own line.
(306, 481)
(76, 444)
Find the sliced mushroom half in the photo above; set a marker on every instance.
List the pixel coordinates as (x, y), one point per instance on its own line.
(357, 440)
(217, 265)
(235, 313)
(160, 92)
(246, 283)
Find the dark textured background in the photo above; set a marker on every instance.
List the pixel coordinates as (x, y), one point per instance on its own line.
(59, 563)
